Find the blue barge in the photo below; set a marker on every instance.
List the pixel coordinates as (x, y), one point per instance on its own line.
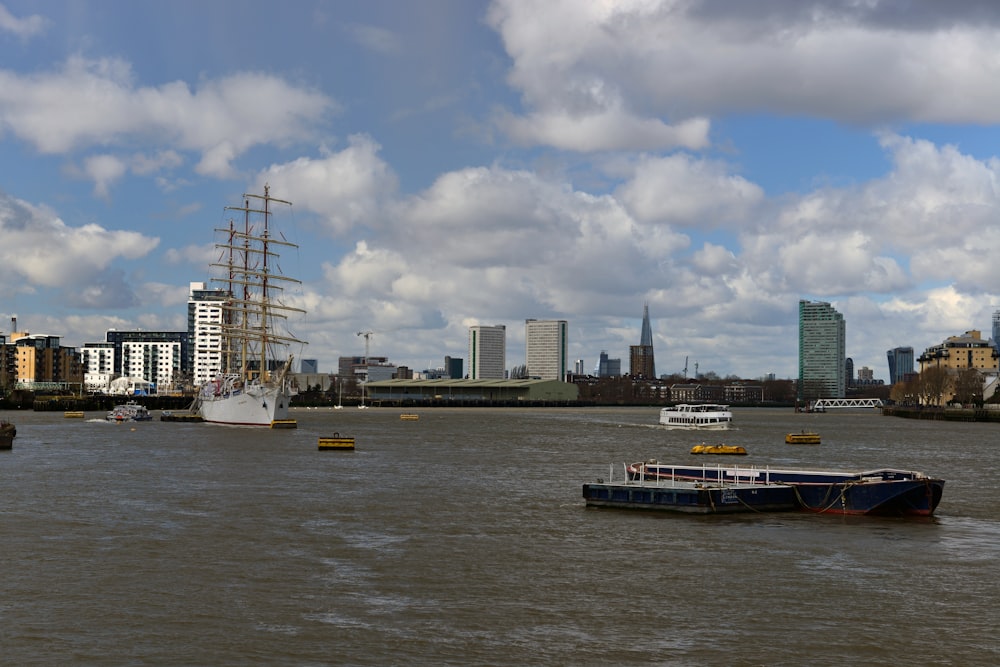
(690, 496)
(885, 491)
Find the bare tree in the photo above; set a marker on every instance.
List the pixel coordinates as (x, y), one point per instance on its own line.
(905, 393)
(969, 387)
(933, 383)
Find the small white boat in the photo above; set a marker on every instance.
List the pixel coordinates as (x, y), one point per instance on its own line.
(697, 416)
(129, 412)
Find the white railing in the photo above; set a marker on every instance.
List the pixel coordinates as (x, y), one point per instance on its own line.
(828, 403)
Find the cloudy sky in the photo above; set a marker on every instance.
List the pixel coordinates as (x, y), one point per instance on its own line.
(455, 163)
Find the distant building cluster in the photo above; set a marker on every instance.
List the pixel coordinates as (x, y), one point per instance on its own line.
(130, 362)
(826, 372)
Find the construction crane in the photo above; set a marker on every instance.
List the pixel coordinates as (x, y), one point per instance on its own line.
(367, 335)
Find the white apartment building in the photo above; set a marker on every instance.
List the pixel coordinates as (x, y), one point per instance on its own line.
(205, 331)
(98, 360)
(487, 352)
(545, 349)
(157, 362)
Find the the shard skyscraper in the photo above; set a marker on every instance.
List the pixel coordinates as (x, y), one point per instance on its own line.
(641, 362)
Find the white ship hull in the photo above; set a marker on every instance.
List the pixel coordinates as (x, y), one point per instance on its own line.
(258, 406)
(723, 426)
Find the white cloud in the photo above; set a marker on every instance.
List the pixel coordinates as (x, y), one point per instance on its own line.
(686, 191)
(96, 102)
(600, 75)
(143, 164)
(374, 38)
(104, 170)
(602, 130)
(42, 250)
(345, 189)
(28, 26)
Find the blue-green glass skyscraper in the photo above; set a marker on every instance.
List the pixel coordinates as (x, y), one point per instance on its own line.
(822, 351)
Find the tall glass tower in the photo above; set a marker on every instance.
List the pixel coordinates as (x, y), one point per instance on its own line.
(996, 329)
(822, 351)
(900, 363)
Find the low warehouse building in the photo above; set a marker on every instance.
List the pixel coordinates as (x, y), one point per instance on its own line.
(445, 391)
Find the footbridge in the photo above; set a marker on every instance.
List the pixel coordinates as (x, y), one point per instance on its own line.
(830, 403)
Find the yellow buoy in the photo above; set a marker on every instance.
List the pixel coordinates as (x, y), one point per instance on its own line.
(337, 442)
(804, 438)
(718, 449)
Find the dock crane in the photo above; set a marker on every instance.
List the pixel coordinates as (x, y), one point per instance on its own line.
(367, 335)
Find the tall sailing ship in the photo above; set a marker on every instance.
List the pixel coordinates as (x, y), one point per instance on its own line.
(254, 385)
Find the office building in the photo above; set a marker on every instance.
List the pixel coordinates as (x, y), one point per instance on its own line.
(900, 363)
(365, 368)
(996, 328)
(608, 368)
(487, 352)
(822, 346)
(545, 349)
(453, 368)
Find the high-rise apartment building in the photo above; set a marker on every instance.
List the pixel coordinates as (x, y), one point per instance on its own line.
(487, 352)
(640, 357)
(205, 332)
(900, 363)
(98, 365)
(545, 349)
(822, 351)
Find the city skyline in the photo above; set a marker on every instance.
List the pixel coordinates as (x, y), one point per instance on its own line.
(456, 163)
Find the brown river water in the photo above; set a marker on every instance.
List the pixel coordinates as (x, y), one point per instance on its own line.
(462, 539)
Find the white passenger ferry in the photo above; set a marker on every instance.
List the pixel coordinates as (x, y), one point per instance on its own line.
(700, 416)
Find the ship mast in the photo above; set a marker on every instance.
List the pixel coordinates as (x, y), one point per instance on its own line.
(252, 314)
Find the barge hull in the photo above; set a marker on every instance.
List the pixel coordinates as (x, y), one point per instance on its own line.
(884, 492)
(693, 498)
